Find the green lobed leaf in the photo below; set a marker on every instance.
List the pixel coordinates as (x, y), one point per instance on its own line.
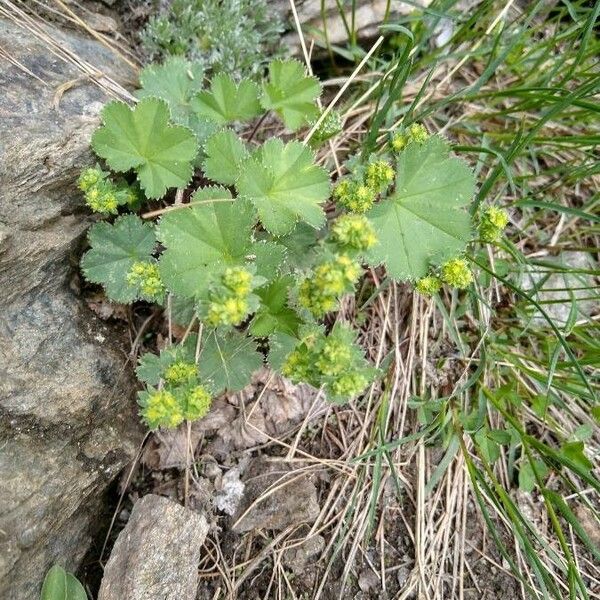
(114, 249)
(200, 238)
(228, 360)
(425, 221)
(176, 81)
(142, 139)
(291, 93)
(225, 152)
(268, 258)
(284, 185)
(151, 367)
(280, 346)
(274, 314)
(227, 102)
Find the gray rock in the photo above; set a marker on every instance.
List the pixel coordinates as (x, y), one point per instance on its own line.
(275, 497)
(559, 293)
(157, 554)
(298, 556)
(67, 416)
(368, 17)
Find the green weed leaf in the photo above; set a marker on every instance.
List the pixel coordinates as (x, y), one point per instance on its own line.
(225, 151)
(176, 81)
(202, 238)
(291, 93)
(60, 585)
(425, 221)
(143, 140)
(284, 185)
(268, 258)
(228, 360)
(227, 102)
(274, 314)
(114, 250)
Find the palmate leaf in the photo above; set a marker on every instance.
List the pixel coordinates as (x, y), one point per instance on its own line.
(274, 315)
(285, 186)
(227, 102)
(114, 249)
(425, 222)
(203, 237)
(225, 151)
(228, 360)
(176, 81)
(142, 139)
(268, 257)
(291, 93)
(151, 367)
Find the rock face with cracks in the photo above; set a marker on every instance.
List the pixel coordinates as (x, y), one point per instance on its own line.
(67, 416)
(157, 554)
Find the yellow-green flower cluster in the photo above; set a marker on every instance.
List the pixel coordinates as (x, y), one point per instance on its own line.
(493, 222)
(354, 196)
(101, 198)
(145, 277)
(229, 301)
(379, 175)
(354, 231)
(334, 362)
(358, 196)
(198, 402)
(102, 195)
(89, 178)
(162, 410)
(429, 285)
(349, 384)
(456, 273)
(334, 358)
(415, 133)
(320, 292)
(180, 372)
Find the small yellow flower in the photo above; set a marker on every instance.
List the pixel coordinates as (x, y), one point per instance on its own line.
(335, 358)
(89, 178)
(354, 196)
(320, 292)
(379, 175)
(456, 273)
(417, 133)
(493, 222)
(354, 231)
(399, 142)
(145, 276)
(238, 280)
(162, 410)
(180, 372)
(230, 311)
(349, 385)
(427, 286)
(198, 402)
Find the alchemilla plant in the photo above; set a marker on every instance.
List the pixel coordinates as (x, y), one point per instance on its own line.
(252, 258)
